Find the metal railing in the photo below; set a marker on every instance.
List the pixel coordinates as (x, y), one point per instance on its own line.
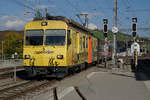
(11, 63)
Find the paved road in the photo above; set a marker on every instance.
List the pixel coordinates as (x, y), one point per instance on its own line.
(99, 84)
(111, 86)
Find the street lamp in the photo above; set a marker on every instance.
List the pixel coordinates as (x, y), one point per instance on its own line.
(16, 54)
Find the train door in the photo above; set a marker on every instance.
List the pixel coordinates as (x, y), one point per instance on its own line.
(90, 50)
(74, 47)
(69, 47)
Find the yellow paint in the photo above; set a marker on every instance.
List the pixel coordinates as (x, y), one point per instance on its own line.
(47, 55)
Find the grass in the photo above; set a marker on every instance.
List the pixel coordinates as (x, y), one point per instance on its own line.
(147, 47)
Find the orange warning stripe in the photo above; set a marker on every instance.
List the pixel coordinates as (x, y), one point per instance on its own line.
(90, 50)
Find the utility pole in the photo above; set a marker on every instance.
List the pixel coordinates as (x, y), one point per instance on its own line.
(45, 13)
(86, 20)
(114, 30)
(26, 6)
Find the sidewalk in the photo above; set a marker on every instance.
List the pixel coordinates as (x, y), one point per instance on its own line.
(111, 86)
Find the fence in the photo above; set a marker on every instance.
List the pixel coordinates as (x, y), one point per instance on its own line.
(11, 63)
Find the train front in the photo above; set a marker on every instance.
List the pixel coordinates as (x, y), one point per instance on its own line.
(45, 46)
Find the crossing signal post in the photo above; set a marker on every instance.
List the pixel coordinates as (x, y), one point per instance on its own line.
(134, 21)
(105, 30)
(135, 54)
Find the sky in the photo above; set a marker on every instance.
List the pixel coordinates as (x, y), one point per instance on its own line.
(13, 14)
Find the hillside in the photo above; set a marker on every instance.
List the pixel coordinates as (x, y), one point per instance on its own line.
(120, 36)
(3, 33)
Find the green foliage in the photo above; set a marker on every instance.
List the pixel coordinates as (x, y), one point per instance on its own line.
(13, 43)
(120, 36)
(147, 47)
(98, 34)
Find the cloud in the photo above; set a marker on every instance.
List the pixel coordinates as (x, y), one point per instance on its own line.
(8, 17)
(13, 22)
(92, 26)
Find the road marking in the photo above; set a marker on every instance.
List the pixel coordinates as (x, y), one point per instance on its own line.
(147, 83)
(65, 92)
(93, 73)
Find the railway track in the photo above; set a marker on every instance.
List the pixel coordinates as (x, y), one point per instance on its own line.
(76, 89)
(25, 89)
(8, 69)
(8, 73)
(20, 90)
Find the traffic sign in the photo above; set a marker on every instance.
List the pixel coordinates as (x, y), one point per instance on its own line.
(135, 46)
(115, 29)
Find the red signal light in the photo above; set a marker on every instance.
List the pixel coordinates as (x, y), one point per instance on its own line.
(134, 27)
(105, 28)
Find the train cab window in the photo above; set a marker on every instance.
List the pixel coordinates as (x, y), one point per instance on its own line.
(68, 37)
(34, 37)
(55, 37)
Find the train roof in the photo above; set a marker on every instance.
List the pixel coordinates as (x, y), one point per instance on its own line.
(70, 22)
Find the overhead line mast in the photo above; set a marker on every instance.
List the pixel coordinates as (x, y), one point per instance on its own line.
(86, 19)
(115, 33)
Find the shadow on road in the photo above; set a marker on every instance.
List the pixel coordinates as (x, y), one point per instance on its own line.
(142, 71)
(124, 75)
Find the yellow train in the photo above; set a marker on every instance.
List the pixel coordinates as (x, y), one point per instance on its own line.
(57, 46)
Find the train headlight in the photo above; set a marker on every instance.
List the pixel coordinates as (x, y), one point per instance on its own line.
(44, 23)
(59, 56)
(27, 56)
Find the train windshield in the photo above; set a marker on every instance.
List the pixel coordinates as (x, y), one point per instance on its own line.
(55, 37)
(34, 37)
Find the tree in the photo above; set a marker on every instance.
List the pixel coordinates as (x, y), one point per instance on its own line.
(13, 43)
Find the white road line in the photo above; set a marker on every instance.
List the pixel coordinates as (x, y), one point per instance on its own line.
(147, 83)
(65, 92)
(93, 73)
(90, 75)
